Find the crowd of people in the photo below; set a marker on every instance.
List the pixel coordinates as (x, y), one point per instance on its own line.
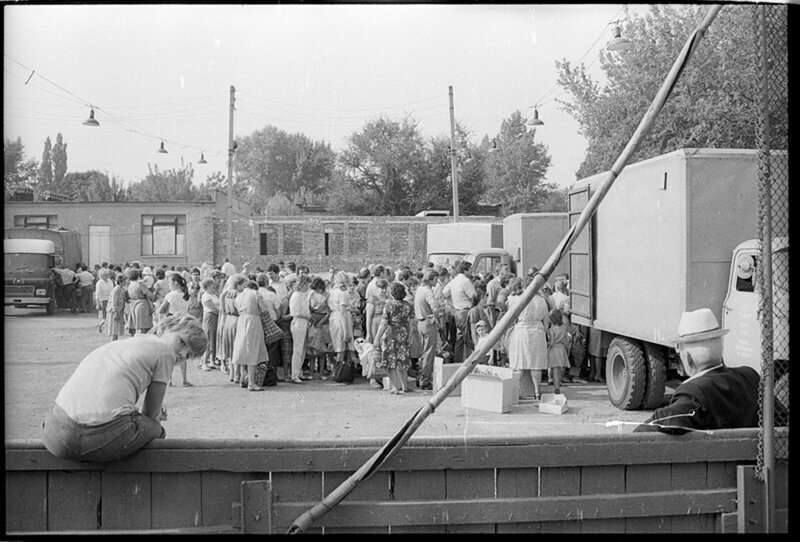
(262, 322)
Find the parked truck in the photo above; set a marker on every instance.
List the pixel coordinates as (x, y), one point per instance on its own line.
(666, 239)
(521, 241)
(30, 254)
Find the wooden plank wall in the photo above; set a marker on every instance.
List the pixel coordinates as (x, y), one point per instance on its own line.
(621, 483)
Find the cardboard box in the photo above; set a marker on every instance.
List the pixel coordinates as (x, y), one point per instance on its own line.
(502, 372)
(487, 392)
(442, 373)
(553, 403)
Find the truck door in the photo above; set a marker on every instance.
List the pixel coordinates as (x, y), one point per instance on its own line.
(742, 344)
(580, 262)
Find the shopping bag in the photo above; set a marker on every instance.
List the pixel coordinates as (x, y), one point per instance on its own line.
(344, 371)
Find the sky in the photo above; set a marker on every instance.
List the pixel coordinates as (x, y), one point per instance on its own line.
(163, 73)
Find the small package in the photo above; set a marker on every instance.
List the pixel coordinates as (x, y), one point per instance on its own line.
(487, 390)
(553, 403)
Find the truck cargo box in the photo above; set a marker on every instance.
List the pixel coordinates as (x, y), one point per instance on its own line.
(662, 239)
(67, 242)
(531, 238)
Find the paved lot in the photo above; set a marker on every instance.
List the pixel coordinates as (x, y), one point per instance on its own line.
(40, 353)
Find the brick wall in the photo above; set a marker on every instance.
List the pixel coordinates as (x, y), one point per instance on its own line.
(321, 242)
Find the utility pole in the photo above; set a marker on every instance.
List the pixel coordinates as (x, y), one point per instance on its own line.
(453, 173)
(229, 239)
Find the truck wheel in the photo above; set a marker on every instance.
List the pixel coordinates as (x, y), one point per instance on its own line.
(656, 377)
(50, 309)
(625, 374)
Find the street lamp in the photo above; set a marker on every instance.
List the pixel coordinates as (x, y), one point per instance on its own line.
(91, 120)
(618, 43)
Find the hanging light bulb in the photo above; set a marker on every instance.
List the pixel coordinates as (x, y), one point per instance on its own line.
(618, 43)
(535, 120)
(202, 159)
(91, 120)
(161, 149)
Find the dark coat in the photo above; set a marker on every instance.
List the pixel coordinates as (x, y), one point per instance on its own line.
(723, 398)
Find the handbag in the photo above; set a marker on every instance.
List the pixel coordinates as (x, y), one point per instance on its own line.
(272, 333)
(270, 376)
(344, 371)
(374, 368)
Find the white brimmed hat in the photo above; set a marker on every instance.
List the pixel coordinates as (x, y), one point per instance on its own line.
(697, 326)
(481, 323)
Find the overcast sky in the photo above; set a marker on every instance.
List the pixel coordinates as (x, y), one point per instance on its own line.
(164, 72)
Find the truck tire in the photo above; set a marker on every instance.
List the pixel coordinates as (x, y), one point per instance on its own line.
(625, 374)
(656, 377)
(50, 308)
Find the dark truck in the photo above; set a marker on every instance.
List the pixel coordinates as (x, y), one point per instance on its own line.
(29, 255)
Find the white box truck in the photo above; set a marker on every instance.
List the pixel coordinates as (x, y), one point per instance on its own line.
(531, 238)
(662, 242)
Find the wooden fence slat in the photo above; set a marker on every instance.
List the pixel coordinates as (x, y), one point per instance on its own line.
(73, 500)
(176, 498)
(256, 498)
(749, 498)
(376, 487)
(641, 478)
(688, 475)
(218, 492)
(482, 511)
(26, 501)
(469, 483)
(419, 485)
(126, 500)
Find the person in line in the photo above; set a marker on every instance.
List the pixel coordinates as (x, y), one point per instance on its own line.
(95, 418)
(228, 268)
(300, 311)
(714, 396)
(249, 348)
(411, 283)
(140, 316)
(195, 301)
(284, 319)
(319, 336)
(425, 307)
(148, 278)
(482, 334)
(477, 313)
(341, 318)
(210, 301)
(175, 304)
(115, 314)
(85, 287)
(460, 291)
(233, 286)
(273, 304)
(527, 343)
(102, 292)
(396, 326)
(557, 340)
(160, 291)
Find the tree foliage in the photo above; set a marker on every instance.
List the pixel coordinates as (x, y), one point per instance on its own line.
(170, 185)
(59, 158)
(712, 105)
(91, 186)
(45, 179)
(270, 160)
(385, 161)
(515, 171)
(17, 169)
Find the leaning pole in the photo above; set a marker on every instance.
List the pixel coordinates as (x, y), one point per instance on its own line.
(304, 521)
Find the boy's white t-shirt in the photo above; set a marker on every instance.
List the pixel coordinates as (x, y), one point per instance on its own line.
(110, 380)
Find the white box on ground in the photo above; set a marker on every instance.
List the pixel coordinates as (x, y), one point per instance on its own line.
(487, 391)
(442, 373)
(502, 372)
(553, 403)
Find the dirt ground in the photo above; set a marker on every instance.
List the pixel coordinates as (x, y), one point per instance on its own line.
(41, 352)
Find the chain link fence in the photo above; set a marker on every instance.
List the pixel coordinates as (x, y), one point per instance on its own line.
(772, 276)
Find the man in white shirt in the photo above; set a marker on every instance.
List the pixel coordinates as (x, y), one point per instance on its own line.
(460, 290)
(425, 307)
(69, 280)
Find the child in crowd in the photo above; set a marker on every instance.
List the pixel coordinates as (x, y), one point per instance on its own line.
(482, 330)
(115, 310)
(195, 303)
(557, 338)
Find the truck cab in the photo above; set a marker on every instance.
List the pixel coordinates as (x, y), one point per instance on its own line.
(484, 261)
(29, 277)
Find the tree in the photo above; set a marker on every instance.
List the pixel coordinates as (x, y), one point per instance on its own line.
(171, 185)
(712, 105)
(280, 205)
(17, 169)
(269, 161)
(385, 161)
(46, 167)
(515, 171)
(59, 157)
(215, 181)
(89, 186)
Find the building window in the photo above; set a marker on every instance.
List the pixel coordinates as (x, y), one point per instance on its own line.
(263, 248)
(36, 221)
(327, 244)
(163, 235)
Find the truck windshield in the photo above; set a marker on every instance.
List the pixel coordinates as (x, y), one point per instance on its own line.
(24, 261)
(445, 259)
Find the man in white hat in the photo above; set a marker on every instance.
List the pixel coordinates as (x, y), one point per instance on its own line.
(714, 396)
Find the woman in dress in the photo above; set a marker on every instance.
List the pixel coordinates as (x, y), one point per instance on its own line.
(141, 310)
(375, 304)
(227, 303)
(392, 337)
(557, 339)
(319, 335)
(341, 317)
(176, 303)
(527, 343)
(160, 291)
(115, 313)
(249, 348)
